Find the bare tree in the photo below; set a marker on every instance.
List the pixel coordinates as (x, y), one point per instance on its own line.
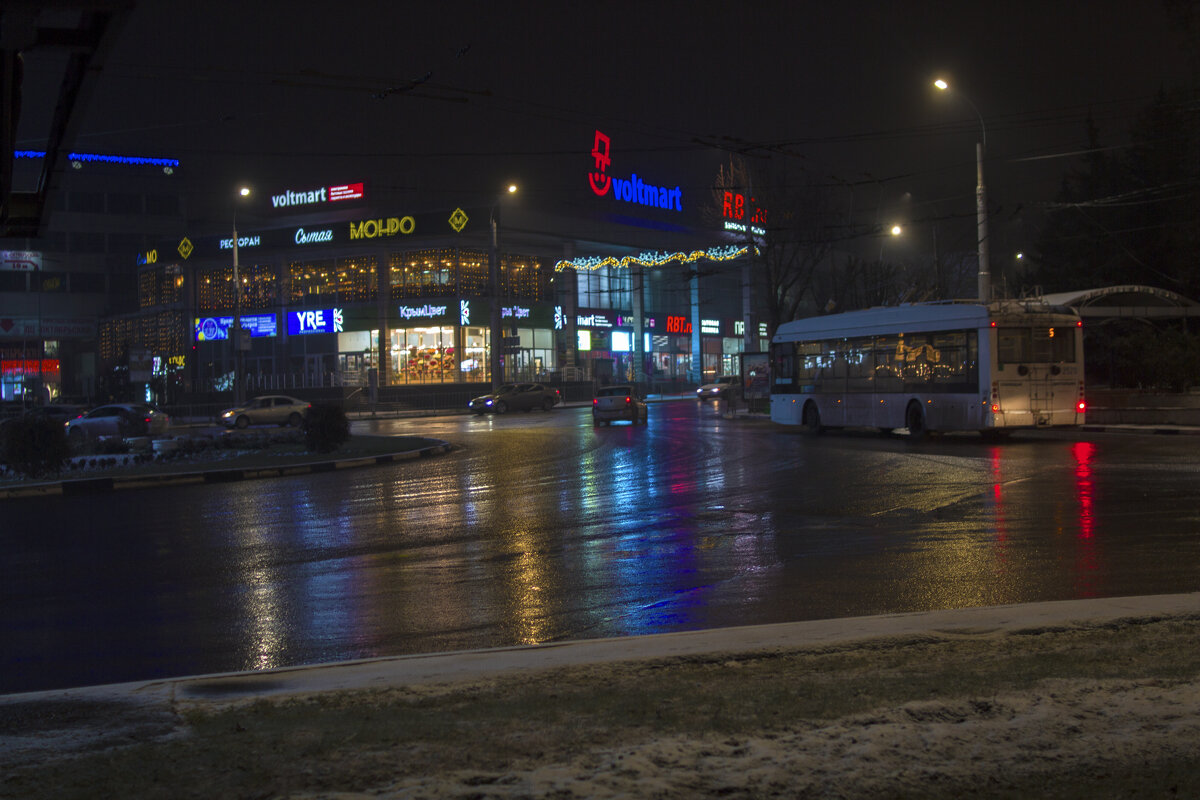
(787, 215)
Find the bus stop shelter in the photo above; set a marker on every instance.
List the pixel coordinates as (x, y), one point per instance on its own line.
(1127, 302)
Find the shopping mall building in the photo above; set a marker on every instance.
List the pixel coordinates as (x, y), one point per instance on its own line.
(625, 275)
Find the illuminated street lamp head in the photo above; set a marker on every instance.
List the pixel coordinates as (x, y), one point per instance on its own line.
(512, 188)
(897, 230)
(244, 191)
(941, 84)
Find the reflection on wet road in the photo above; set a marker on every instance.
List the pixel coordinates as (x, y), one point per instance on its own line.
(541, 528)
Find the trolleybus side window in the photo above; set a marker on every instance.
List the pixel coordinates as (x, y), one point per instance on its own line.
(808, 366)
(918, 358)
(956, 367)
(888, 363)
(860, 363)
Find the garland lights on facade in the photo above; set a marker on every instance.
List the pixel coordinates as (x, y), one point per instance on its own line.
(652, 259)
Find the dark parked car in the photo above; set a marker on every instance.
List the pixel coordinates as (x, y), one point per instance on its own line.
(118, 419)
(58, 412)
(516, 397)
(55, 412)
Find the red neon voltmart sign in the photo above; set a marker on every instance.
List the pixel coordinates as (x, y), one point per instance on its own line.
(628, 190)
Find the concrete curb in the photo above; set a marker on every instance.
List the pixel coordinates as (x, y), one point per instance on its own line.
(80, 486)
(221, 689)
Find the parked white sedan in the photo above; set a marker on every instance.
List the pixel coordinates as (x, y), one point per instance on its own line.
(271, 409)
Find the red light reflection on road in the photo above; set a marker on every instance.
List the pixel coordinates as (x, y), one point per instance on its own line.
(1086, 561)
(998, 500)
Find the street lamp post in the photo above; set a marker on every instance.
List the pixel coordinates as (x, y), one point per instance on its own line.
(496, 347)
(236, 338)
(985, 277)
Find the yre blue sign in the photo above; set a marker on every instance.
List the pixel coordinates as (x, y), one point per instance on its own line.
(326, 320)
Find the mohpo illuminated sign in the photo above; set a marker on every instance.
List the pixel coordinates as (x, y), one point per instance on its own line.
(380, 228)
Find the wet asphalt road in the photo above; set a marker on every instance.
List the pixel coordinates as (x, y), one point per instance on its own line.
(541, 528)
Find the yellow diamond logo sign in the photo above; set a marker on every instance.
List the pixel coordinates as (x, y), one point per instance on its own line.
(185, 248)
(458, 220)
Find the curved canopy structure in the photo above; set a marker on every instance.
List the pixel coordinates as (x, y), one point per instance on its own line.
(1142, 302)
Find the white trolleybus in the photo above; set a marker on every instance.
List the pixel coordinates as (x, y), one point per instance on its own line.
(945, 366)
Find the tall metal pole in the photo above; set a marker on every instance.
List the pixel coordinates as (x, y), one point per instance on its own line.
(985, 276)
(237, 322)
(637, 284)
(749, 332)
(496, 346)
(236, 337)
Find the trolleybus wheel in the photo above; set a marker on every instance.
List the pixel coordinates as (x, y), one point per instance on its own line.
(812, 419)
(914, 415)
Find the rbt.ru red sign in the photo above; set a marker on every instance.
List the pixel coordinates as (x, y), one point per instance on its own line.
(735, 209)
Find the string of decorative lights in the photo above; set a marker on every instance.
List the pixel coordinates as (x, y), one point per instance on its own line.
(652, 259)
(137, 161)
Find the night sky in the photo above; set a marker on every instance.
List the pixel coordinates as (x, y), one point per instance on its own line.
(439, 103)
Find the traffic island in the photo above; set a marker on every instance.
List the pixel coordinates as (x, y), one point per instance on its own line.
(243, 457)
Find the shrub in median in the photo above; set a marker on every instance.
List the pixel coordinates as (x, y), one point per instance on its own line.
(326, 429)
(34, 446)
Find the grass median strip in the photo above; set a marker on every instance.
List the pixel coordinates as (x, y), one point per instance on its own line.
(659, 717)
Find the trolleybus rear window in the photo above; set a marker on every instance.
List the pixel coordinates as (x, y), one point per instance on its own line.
(1041, 345)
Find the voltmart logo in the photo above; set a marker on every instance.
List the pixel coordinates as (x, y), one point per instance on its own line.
(325, 194)
(631, 190)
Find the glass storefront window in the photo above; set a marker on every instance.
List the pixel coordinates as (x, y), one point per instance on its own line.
(423, 355)
(536, 356)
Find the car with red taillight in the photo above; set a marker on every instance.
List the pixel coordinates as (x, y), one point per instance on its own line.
(618, 402)
(118, 419)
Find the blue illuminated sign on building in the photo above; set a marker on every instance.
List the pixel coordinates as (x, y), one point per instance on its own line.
(210, 329)
(326, 320)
